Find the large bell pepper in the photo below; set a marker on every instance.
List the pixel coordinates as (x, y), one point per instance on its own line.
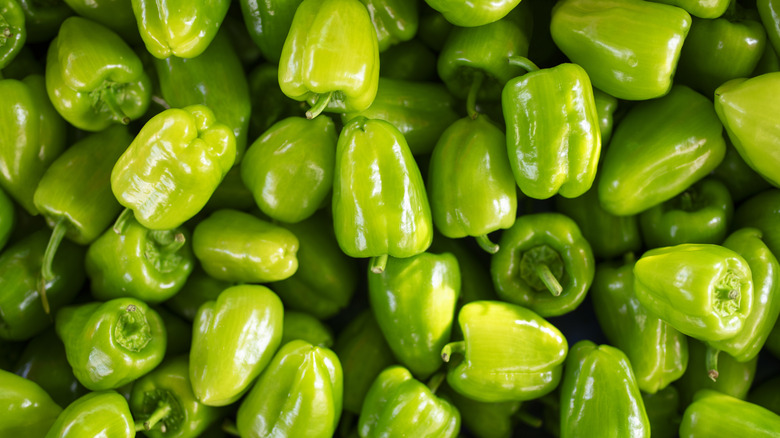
(716, 415)
(25, 408)
(103, 413)
(268, 24)
(94, 79)
(474, 13)
(173, 165)
(13, 31)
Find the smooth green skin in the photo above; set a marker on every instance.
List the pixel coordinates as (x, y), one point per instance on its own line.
(299, 394)
(151, 266)
(705, 418)
(609, 236)
(470, 183)
(13, 31)
(700, 8)
(7, 218)
(509, 353)
(769, 61)
(117, 15)
(744, 109)
(44, 362)
(769, 12)
(22, 315)
(762, 211)
(574, 268)
(199, 288)
(326, 278)
(173, 165)
(215, 79)
(474, 272)
(181, 28)
(765, 271)
(475, 13)
(662, 412)
(394, 21)
(32, 136)
(26, 407)
(379, 201)
(238, 247)
(600, 396)
(409, 61)
(76, 188)
(484, 420)
(268, 24)
(474, 51)
(433, 28)
(43, 19)
(169, 385)
(658, 353)
(701, 214)
(734, 378)
(331, 47)
(605, 109)
(629, 48)
(299, 325)
(399, 405)
(111, 344)
(553, 136)
(233, 339)
(103, 413)
(767, 395)
(93, 78)
(688, 286)
(414, 301)
(658, 150)
(742, 181)
(269, 104)
(289, 169)
(420, 111)
(719, 50)
(364, 353)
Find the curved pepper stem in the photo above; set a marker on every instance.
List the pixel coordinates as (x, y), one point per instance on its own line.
(711, 360)
(109, 98)
(458, 347)
(524, 63)
(121, 221)
(319, 105)
(486, 244)
(168, 242)
(435, 381)
(159, 414)
(132, 330)
(47, 275)
(471, 98)
(378, 264)
(548, 278)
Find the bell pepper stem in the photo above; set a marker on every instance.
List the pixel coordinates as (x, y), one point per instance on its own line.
(57, 234)
(711, 360)
(529, 418)
(319, 106)
(548, 278)
(162, 411)
(378, 264)
(523, 62)
(167, 243)
(471, 98)
(458, 347)
(435, 381)
(230, 428)
(132, 329)
(109, 98)
(121, 221)
(485, 243)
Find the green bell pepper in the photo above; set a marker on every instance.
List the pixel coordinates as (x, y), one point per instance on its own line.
(399, 405)
(742, 181)
(331, 53)
(302, 326)
(178, 332)
(113, 343)
(769, 12)
(544, 263)
(701, 8)
(103, 413)
(767, 394)
(408, 61)
(94, 79)
(606, 106)
(269, 105)
(394, 20)
(629, 48)
(42, 19)
(199, 288)
(474, 272)
(13, 31)
(470, 182)
(433, 28)
(230, 193)
(485, 420)
(116, 15)
(474, 13)
(299, 394)
(734, 378)
(716, 415)
(658, 150)
(173, 165)
(599, 394)
(26, 407)
(509, 353)
(32, 136)
(25, 63)
(7, 218)
(762, 211)
(663, 412)
(223, 364)
(179, 28)
(268, 24)
(289, 169)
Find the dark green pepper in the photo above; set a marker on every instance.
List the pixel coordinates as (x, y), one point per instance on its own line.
(7, 218)
(269, 104)
(199, 288)
(734, 378)
(716, 415)
(268, 24)
(103, 413)
(762, 211)
(299, 325)
(13, 31)
(767, 394)
(116, 15)
(25, 408)
(769, 12)
(474, 272)
(42, 19)
(485, 420)
(409, 61)
(742, 181)
(605, 108)
(475, 13)
(394, 20)
(662, 412)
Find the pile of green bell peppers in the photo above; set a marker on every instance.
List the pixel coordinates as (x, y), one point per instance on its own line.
(385, 218)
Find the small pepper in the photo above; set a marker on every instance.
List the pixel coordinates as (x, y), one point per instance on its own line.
(716, 415)
(103, 413)
(27, 410)
(394, 20)
(13, 31)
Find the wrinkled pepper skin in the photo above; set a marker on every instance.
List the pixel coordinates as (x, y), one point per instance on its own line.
(658, 353)
(173, 165)
(539, 253)
(238, 247)
(399, 297)
(734, 378)
(705, 418)
(629, 48)
(394, 21)
(701, 214)
(27, 410)
(553, 135)
(380, 206)
(13, 31)
(268, 24)
(179, 28)
(93, 78)
(509, 353)
(22, 314)
(705, 291)
(133, 261)
(289, 169)
(331, 53)
(222, 363)
(111, 344)
(744, 107)
(32, 136)
(300, 394)
(103, 413)
(299, 325)
(600, 396)
(470, 182)
(642, 166)
(399, 405)
(164, 399)
(476, 13)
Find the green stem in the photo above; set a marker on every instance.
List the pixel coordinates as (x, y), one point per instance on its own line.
(529, 419)
(47, 274)
(487, 245)
(319, 105)
(230, 427)
(471, 98)
(711, 361)
(121, 221)
(165, 242)
(132, 330)
(109, 98)
(162, 411)
(686, 201)
(523, 62)
(160, 101)
(378, 264)
(458, 347)
(548, 278)
(435, 382)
